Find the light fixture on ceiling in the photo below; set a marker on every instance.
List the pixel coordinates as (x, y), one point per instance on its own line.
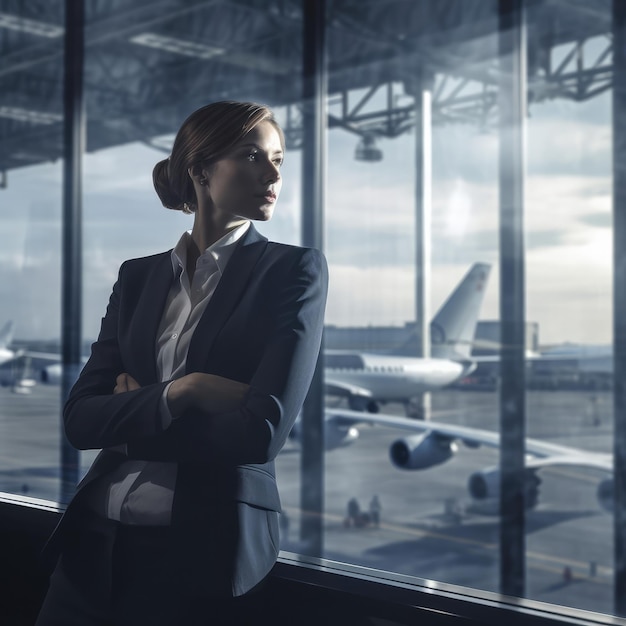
(366, 149)
(177, 46)
(32, 27)
(27, 115)
(277, 67)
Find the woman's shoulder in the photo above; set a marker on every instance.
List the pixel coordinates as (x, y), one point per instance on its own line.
(145, 262)
(291, 254)
(292, 251)
(300, 261)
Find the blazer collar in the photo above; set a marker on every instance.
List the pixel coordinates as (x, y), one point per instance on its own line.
(228, 292)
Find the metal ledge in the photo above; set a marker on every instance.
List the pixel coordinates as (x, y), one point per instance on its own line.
(378, 593)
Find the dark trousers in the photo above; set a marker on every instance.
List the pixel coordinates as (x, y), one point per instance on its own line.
(111, 574)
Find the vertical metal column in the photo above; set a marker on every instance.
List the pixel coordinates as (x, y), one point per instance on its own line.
(512, 108)
(619, 301)
(313, 193)
(71, 282)
(423, 213)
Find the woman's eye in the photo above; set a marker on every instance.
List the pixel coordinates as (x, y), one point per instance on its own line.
(278, 162)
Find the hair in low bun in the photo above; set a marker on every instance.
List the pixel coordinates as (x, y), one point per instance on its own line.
(168, 196)
(204, 137)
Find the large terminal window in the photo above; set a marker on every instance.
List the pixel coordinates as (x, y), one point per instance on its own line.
(31, 136)
(468, 182)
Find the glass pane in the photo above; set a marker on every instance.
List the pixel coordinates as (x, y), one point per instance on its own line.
(415, 123)
(401, 119)
(569, 282)
(31, 115)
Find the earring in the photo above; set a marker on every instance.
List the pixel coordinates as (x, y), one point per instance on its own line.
(202, 181)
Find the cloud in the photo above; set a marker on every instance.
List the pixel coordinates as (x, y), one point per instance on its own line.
(569, 290)
(385, 295)
(359, 296)
(574, 206)
(568, 147)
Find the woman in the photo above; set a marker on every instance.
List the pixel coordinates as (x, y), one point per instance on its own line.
(202, 363)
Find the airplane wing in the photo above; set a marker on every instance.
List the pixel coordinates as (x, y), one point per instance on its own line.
(539, 453)
(339, 388)
(430, 443)
(48, 357)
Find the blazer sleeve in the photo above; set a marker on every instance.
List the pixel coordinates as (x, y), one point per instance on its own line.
(93, 416)
(256, 431)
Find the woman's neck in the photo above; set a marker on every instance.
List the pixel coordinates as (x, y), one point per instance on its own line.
(206, 232)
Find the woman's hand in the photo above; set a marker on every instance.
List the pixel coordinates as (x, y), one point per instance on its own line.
(208, 393)
(125, 382)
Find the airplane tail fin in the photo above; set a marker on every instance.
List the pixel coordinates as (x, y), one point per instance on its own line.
(453, 327)
(6, 334)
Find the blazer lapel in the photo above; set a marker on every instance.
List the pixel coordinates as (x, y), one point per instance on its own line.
(148, 315)
(228, 292)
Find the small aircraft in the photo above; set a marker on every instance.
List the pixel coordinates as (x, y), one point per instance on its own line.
(19, 373)
(368, 379)
(6, 337)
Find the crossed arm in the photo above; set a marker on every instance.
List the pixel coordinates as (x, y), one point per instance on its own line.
(202, 392)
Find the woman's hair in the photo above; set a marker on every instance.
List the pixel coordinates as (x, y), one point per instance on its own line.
(204, 137)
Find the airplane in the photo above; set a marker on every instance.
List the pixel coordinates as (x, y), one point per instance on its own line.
(19, 374)
(433, 443)
(368, 379)
(18, 366)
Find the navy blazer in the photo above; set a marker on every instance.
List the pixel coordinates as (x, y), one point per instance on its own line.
(263, 327)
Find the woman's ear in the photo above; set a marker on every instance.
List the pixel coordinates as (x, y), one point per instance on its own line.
(198, 174)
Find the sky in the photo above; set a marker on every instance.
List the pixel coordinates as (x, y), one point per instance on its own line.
(567, 223)
(369, 226)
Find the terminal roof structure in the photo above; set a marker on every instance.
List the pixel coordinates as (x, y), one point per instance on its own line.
(149, 63)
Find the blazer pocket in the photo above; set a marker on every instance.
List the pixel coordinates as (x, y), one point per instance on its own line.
(257, 546)
(257, 486)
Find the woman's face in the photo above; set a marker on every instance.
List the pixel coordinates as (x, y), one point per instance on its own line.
(246, 182)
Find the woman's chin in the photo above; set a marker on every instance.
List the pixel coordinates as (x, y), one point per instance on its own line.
(265, 213)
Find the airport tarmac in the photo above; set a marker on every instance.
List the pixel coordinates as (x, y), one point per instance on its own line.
(429, 526)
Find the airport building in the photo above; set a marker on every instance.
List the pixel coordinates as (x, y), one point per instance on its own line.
(393, 338)
(462, 166)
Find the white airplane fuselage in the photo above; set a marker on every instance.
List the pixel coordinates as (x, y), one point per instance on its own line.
(397, 378)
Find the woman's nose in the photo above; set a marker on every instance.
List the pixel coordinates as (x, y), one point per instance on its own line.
(273, 173)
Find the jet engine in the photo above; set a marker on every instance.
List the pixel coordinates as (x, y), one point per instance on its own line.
(422, 451)
(52, 374)
(605, 494)
(337, 433)
(362, 403)
(485, 485)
